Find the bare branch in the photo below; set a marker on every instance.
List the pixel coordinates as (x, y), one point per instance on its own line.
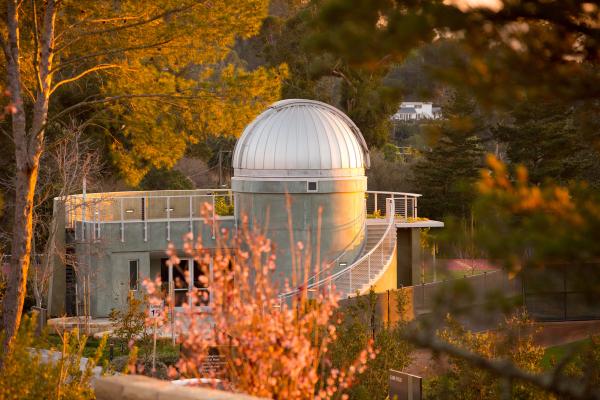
(36, 46)
(84, 73)
(146, 21)
(107, 53)
(125, 97)
(137, 24)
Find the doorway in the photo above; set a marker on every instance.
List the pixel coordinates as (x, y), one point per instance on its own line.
(187, 275)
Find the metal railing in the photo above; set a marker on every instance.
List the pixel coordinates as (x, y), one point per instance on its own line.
(142, 207)
(358, 277)
(405, 204)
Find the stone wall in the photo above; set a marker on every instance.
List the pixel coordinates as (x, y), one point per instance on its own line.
(137, 387)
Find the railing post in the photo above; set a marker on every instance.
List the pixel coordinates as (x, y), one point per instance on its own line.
(214, 212)
(191, 216)
(83, 218)
(405, 206)
(122, 221)
(146, 209)
(350, 283)
(375, 210)
(97, 215)
(415, 207)
(168, 217)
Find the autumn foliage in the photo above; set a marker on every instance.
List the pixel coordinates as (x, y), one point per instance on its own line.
(269, 347)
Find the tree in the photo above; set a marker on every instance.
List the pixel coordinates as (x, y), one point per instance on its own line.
(71, 159)
(361, 93)
(533, 51)
(552, 140)
(162, 68)
(157, 179)
(390, 174)
(513, 50)
(446, 174)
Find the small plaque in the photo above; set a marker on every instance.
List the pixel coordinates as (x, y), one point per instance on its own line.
(404, 386)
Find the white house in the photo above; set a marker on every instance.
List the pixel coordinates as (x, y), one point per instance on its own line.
(416, 110)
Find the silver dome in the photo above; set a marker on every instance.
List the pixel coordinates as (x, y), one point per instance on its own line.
(301, 138)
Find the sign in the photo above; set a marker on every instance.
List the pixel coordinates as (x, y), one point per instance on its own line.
(156, 310)
(213, 364)
(404, 386)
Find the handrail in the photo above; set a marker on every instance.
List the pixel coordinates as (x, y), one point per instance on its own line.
(392, 195)
(406, 205)
(332, 263)
(398, 193)
(391, 223)
(147, 193)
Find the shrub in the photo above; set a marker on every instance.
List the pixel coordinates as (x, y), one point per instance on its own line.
(222, 207)
(130, 323)
(359, 324)
(269, 348)
(513, 341)
(25, 375)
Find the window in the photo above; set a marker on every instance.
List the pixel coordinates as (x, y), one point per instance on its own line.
(133, 274)
(312, 186)
(202, 282)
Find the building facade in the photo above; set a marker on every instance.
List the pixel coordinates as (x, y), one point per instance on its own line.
(299, 174)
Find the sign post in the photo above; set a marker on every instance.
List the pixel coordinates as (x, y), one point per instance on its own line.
(404, 386)
(155, 312)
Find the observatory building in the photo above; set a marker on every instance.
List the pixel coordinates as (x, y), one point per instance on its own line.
(299, 170)
(299, 174)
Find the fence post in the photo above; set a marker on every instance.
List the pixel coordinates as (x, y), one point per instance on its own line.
(375, 208)
(484, 282)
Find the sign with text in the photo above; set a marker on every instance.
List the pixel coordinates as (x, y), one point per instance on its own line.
(156, 310)
(404, 386)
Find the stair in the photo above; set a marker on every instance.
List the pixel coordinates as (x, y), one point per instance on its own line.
(365, 273)
(374, 234)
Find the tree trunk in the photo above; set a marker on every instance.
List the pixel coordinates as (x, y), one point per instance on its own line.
(28, 149)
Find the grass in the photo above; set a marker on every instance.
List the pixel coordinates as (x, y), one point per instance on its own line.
(554, 354)
(163, 347)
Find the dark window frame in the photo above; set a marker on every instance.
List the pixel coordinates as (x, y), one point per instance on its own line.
(134, 288)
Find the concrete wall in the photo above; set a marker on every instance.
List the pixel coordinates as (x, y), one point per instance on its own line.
(56, 287)
(136, 387)
(389, 279)
(341, 229)
(289, 213)
(409, 256)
